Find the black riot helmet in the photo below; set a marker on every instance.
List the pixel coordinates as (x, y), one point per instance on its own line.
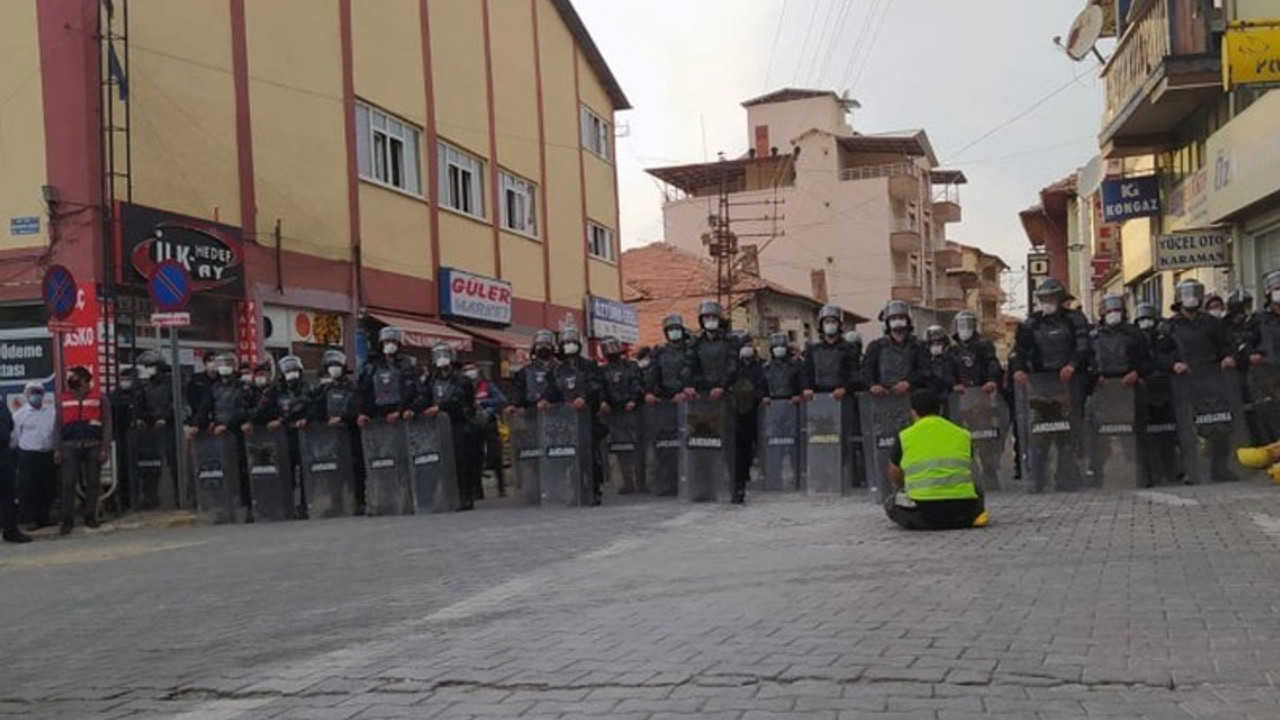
(1189, 294)
(443, 356)
(710, 315)
(829, 321)
(544, 344)
(673, 328)
(290, 364)
(611, 346)
(853, 339)
(1240, 302)
(570, 342)
(936, 333)
(1112, 303)
(896, 315)
(966, 325)
(332, 358)
(1052, 289)
(1147, 316)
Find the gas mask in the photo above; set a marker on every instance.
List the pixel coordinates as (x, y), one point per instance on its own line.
(35, 400)
(965, 334)
(1114, 318)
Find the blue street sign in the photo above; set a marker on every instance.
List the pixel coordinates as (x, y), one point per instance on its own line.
(59, 291)
(25, 225)
(170, 286)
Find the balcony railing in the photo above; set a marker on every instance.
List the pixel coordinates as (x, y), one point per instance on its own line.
(870, 172)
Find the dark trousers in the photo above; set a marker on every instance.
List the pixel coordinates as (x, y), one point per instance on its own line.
(746, 441)
(493, 453)
(469, 460)
(8, 491)
(123, 471)
(82, 467)
(936, 514)
(36, 486)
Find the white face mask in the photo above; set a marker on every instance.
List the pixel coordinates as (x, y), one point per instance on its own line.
(390, 348)
(1275, 296)
(1048, 308)
(675, 334)
(830, 328)
(335, 371)
(643, 363)
(1146, 324)
(209, 367)
(898, 323)
(225, 370)
(711, 323)
(779, 352)
(746, 353)
(292, 375)
(1218, 313)
(1114, 318)
(146, 373)
(965, 334)
(260, 380)
(246, 379)
(471, 374)
(937, 349)
(1190, 302)
(443, 362)
(126, 384)
(571, 349)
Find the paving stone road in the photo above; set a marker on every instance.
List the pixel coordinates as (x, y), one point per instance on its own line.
(1157, 604)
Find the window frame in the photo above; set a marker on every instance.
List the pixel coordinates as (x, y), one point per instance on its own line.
(450, 157)
(595, 130)
(592, 228)
(388, 151)
(511, 183)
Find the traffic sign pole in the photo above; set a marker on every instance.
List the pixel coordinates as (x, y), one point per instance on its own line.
(170, 288)
(179, 435)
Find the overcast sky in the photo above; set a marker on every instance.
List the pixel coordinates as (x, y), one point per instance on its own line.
(957, 68)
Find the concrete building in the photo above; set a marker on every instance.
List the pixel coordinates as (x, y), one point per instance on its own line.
(853, 218)
(661, 279)
(318, 167)
(969, 279)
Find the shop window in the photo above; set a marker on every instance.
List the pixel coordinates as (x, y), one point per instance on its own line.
(461, 181)
(519, 204)
(600, 242)
(388, 150)
(595, 133)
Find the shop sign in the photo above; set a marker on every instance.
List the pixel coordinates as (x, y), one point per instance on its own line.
(1244, 159)
(1188, 205)
(248, 338)
(1129, 198)
(316, 328)
(80, 344)
(610, 318)
(475, 297)
(1192, 249)
(26, 358)
(1037, 271)
(211, 253)
(1251, 54)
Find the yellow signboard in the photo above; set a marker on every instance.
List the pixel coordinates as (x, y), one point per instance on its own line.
(1251, 54)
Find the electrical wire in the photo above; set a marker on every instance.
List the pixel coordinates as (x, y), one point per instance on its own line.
(871, 46)
(813, 18)
(777, 35)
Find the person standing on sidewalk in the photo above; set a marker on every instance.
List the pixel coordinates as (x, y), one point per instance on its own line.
(34, 437)
(490, 401)
(8, 496)
(84, 426)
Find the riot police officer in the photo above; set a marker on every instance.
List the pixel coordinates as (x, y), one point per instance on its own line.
(784, 374)
(1119, 353)
(623, 392)
(715, 354)
(973, 357)
(1262, 343)
(1197, 342)
(122, 402)
(896, 361)
(940, 368)
(746, 394)
(447, 390)
(830, 364)
(224, 410)
(336, 402)
(533, 384)
(671, 369)
(1161, 452)
(389, 382)
(853, 339)
(1054, 339)
(153, 408)
(286, 403)
(260, 378)
(577, 381)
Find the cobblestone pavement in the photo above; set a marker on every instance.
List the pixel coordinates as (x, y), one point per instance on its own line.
(1156, 604)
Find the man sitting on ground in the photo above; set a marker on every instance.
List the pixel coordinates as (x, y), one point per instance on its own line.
(931, 466)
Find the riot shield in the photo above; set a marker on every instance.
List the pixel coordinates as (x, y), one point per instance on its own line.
(882, 419)
(270, 474)
(1210, 423)
(526, 454)
(706, 450)
(1115, 424)
(154, 486)
(387, 490)
(432, 464)
(1050, 424)
(986, 417)
(827, 463)
(662, 435)
(1264, 391)
(626, 451)
(327, 471)
(565, 435)
(780, 446)
(217, 476)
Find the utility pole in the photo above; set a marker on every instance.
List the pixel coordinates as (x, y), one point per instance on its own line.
(722, 241)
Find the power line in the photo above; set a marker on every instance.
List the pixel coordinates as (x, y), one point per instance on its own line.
(813, 17)
(837, 31)
(817, 49)
(871, 46)
(863, 33)
(777, 34)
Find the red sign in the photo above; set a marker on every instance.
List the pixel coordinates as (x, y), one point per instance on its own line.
(248, 338)
(212, 254)
(80, 341)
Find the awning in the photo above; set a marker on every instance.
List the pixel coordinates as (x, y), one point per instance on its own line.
(425, 333)
(502, 338)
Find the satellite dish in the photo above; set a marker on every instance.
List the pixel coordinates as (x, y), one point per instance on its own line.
(1085, 32)
(1090, 177)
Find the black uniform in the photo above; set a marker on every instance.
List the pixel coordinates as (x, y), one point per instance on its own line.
(122, 401)
(829, 365)
(198, 389)
(387, 386)
(534, 383)
(1116, 351)
(575, 378)
(942, 376)
(340, 399)
(1201, 342)
(8, 491)
(1048, 343)
(784, 379)
(747, 391)
(889, 362)
(623, 383)
(287, 401)
(670, 370)
(1161, 421)
(153, 404)
(454, 395)
(975, 362)
(226, 405)
(715, 362)
(1260, 336)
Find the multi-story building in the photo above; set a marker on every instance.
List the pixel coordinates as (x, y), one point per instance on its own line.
(319, 168)
(854, 218)
(969, 279)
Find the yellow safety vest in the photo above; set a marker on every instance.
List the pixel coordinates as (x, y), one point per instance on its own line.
(936, 460)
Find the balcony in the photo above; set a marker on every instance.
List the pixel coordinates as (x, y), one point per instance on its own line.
(991, 291)
(946, 205)
(950, 299)
(905, 241)
(904, 177)
(910, 294)
(1165, 65)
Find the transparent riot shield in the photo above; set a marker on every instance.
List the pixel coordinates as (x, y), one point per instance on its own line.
(151, 452)
(1210, 423)
(986, 417)
(526, 454)
(626, 451)
(387, 489)
(217, 476)
(706, 453)
(662, 435)
(1114, 419)
(1264, 393)
(270, 474)
(882, 419)
(565, 435)
(1050, 424)
(432, 464)
(827, 465)
(328, 472)
(780, 446)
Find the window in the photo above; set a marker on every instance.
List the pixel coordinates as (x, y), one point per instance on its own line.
(595, 133)
(599, 241)
(461, 181)
(388, 150)
(519, 204)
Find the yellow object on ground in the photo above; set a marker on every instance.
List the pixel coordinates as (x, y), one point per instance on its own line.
(981, 520)
(1274, 473)
(1254, 457)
